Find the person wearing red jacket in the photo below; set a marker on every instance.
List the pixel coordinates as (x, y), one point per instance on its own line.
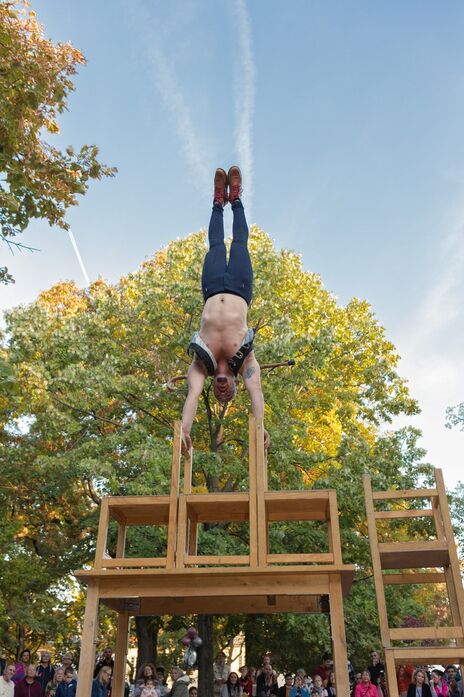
(29, 686)
(365, 687)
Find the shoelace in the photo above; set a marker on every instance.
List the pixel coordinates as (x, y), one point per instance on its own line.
(235, 192)
(219, 193)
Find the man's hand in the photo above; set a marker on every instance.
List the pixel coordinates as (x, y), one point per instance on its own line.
(267, 440)
(186, 443)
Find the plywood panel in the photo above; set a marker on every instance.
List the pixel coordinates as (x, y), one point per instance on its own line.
(297, 505)
(413, 555)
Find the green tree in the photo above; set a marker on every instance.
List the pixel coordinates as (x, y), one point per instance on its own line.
(37, 179)
(91, 414)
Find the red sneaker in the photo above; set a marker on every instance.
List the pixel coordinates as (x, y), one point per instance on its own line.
(220, 187)
(234, 179)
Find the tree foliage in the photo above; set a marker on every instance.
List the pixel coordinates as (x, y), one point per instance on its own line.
(36, 77)
(89, 413)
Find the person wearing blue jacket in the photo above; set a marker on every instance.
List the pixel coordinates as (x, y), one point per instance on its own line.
(68, 686)
(101, 683)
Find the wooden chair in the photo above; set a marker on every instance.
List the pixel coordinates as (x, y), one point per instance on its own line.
(416, 562)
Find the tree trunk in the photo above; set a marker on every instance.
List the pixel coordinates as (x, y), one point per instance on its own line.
(205, 656)
(146, 629)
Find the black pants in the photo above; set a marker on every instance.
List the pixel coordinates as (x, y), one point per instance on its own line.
(218, 276)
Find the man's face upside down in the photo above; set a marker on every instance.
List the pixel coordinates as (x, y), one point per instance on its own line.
(224, 387)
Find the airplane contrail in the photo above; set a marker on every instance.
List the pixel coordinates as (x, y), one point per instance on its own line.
(79, 258)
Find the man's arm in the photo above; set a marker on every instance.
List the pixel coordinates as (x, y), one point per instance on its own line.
(196, 377)
(251, 374)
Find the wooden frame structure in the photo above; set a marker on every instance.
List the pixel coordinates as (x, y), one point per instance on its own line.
(418, 562)
(184, 582)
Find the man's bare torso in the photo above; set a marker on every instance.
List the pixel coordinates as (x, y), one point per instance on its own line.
(224, 324)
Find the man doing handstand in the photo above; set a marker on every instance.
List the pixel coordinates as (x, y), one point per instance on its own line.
(223, 348)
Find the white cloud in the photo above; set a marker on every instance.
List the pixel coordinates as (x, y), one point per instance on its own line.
(171, 94)
(245, 100)
(433, 359)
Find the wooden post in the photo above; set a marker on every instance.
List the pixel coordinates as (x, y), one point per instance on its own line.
(175, 476)
(252, 492)
(89, 632)
(335, 546)
(102, 533)
(261, 486)
(337, 623)
(182, 531)
(376, 565)
(119, 673)
(390, 667)
(121, 541)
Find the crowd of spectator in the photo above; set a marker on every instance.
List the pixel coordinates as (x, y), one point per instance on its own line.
(24, 678)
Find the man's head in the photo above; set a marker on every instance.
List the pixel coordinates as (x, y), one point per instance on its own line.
(107, 653)
(68, 674)
(327, 660)
(30, 671)
(25, 656)
(9, 672)
(221, 658)
(224, 386)
(450, 672)
(67, 659)
(288, 679)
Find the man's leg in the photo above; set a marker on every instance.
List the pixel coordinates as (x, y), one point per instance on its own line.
(239, 269)
(215, 263)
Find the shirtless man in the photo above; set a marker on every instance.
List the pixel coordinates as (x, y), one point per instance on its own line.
(223, 348)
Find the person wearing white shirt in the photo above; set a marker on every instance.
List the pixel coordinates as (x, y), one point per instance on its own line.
(6, 683)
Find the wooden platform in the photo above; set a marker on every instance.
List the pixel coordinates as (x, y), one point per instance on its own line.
(183, 581)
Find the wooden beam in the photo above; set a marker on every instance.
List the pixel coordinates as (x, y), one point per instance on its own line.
(390, 670)
(300, 558)
(216, 559)
(188, 459)
(175, 475)
(421, 633)
(182, 529)
(102, 533)
(454, 579)
(119, 672)
(215, 606)
(427, 655)
(376, 563)
(89, 632)
(404, 494)
(337, 624)
(334, 529)
(261, 477)
(253, 495)
(405, 513)
(134, 562)
(121, 541)
(411, 577)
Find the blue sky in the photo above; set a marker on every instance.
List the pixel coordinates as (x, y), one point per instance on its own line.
(346, 118)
